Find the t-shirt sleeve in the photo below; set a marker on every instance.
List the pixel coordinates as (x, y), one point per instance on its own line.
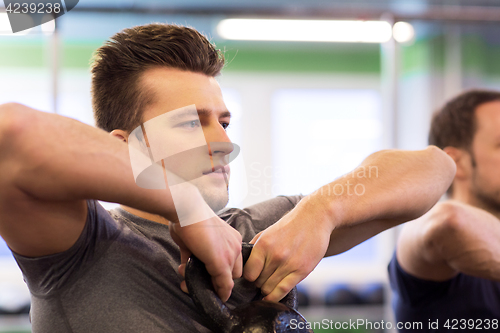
(412, 291)
(268, 212)
(255, 218)
(48, 274)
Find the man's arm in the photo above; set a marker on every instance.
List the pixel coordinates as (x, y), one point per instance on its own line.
(50, 165)
(402, 186)
(453, 237)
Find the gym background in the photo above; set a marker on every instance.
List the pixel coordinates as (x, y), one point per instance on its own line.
(304, 112)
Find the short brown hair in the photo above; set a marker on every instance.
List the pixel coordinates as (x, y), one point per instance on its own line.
(454, 125)
(117, 99)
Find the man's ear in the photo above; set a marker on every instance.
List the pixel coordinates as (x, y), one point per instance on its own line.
(463, 161)
(120, 134)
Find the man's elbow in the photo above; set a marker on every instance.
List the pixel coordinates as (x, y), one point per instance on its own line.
(443, 162)
(13, 123)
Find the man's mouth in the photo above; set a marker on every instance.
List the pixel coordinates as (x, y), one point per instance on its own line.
(220, 169)
(218, 172)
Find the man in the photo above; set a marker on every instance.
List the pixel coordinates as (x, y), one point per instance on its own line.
(447, 264)
(93, 271)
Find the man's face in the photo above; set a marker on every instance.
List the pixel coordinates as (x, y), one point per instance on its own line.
(173, 89)
(485, 177)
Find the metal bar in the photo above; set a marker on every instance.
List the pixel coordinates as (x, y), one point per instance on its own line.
(453, 84)
(432, 13)
(389, 86)
(55, 56)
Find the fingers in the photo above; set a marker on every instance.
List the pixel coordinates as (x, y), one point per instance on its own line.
(224, 267)
(184, 287)
(238, 267)
(268, 271)
(265, 258)
(270, 279)
(182, 270)
(254, 265)
(274, 268)
(185, 254)
(217, 245)
(173, 228)
(275, 291)
(275, 281)
(223, 285)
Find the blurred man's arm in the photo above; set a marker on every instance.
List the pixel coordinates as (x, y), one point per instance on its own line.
(453, 237)
(50, 165)
(401, 186)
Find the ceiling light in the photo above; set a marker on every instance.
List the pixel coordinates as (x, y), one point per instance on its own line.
(403, 32)
(305, 30)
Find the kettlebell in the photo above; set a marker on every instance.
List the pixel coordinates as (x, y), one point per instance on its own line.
(258, 316)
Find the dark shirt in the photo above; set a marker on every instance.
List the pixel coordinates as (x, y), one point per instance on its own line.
(463, 303)
(121, 275)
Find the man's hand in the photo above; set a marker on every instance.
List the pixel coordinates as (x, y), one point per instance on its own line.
(216, 244)
(453, 237)
(286, 252)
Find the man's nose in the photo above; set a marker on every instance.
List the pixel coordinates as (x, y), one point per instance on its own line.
(218, 141)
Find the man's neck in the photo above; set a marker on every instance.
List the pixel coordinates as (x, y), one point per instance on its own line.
(145, 215)
(470, 200)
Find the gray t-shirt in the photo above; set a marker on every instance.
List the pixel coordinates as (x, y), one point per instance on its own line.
(121, 275)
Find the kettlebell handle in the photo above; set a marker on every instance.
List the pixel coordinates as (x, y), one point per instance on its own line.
(201, 290)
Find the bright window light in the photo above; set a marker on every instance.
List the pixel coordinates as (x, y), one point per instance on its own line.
(305, 30)
(403, 32)
(48, 27)
(5, 24)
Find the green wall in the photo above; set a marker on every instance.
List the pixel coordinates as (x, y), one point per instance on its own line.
(282, 58)
(477, 55)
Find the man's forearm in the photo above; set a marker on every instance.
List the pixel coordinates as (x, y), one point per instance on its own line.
(55, 158)
(402, 186)
(388, 188)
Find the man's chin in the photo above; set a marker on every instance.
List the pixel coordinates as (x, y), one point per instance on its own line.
(215, 199)
(217, 205)
(215, 194)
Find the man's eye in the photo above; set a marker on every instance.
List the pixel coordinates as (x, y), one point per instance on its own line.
(191, 124)
(225, 125)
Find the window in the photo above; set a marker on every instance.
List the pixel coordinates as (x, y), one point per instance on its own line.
(319, 135)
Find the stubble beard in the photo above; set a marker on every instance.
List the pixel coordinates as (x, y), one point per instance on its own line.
(216, 198)
(487, 199)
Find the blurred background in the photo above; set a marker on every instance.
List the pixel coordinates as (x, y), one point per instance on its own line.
(305, 111)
